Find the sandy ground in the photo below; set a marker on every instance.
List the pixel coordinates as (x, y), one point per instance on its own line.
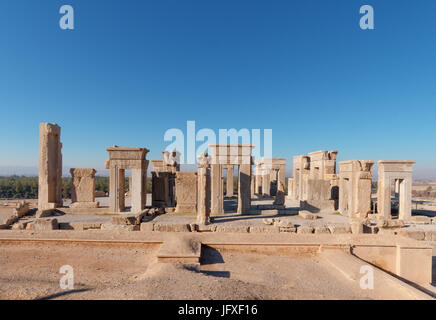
(130, 271)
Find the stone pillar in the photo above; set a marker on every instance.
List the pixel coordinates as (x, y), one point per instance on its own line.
(384, 194)
(83, 193)
(280, 196)
(244, 193)
(50, 167)
(230, 173)
(405, 201)
(186, 192)
(397, 188)
(290, 196)
(137, 193)
(252, 186)
(217, 197)
(266, 183)
(204, 190)
(282, 174)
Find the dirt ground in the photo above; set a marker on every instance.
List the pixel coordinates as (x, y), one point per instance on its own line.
(130, 271)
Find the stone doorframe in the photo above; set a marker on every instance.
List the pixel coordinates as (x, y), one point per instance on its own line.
(231, 154)
(121, 159)
(395, 170)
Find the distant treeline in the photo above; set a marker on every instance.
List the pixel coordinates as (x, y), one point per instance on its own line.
(20, 187)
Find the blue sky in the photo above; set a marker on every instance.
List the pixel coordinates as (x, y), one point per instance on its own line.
(130, 70)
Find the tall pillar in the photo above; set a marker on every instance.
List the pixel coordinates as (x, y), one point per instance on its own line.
(405, 195)
(50, 167)
(137, 194)
(230, 174)
(266, 183)
(217, 196)
(244, 193)
(384, 195)
(204, 189)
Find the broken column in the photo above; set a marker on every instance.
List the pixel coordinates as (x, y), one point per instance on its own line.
(50, 167)
(203, 185)
(83, 193)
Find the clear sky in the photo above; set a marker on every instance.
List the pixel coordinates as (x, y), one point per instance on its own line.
(132, 69)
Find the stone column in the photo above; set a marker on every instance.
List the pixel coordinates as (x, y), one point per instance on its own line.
(50, 167)
(282, 174)
(217, 196)
(405, 195)
(204, 189)
(244, 182)
(83, 193)
(384, 195)
(266, 183)
(230, 173)
(137, 193)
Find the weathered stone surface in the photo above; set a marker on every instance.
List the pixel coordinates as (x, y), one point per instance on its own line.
(186, 192)
(232, 229)
(305, 229)
(420, 220)
(389, 223)
(264, 229)
(45, 224)
(119, 227)
(147, 226)
(322, 230)
(284, 224)
(50, 167)
(206, 228)
(374, 216)
(127, 219)
(414, 234)
(287, 229)
(19, 226)
(307, 215)
(338, 229)
(430, 236)
(172, 227)
(83, 192)
(357, 226)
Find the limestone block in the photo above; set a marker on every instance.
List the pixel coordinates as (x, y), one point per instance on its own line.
(119, 227)
(45, 224)
(414, 234)
(126, 219)
(264, 229)
(420, 220)
(206, 228)
(338, 229)
(322, 230)
(284, 224)
(171, 227)
(232, 229)
(305, 229)
(307, 215)
(147, 226)
(389, 223)
(414, 264)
